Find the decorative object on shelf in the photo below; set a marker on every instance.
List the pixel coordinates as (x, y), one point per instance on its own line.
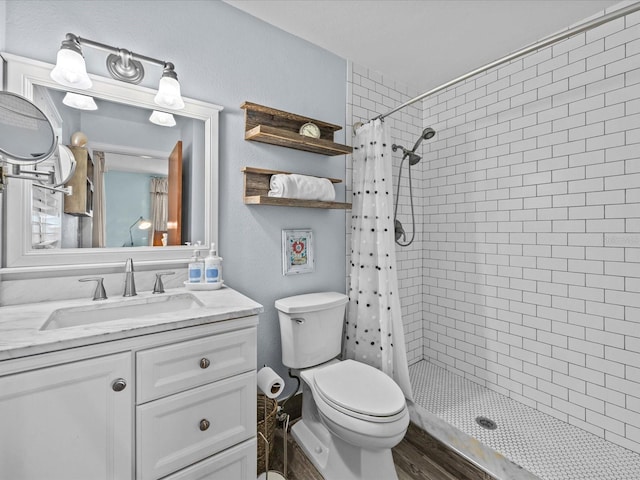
(310, 129)
(79, 139)
(297, 251)
(123, 65)
(303, 187)
(277, 127)
(257, 185)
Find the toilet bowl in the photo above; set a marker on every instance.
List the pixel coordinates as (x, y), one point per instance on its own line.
(352, 413)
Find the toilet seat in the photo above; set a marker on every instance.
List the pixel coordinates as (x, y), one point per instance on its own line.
(360, 391)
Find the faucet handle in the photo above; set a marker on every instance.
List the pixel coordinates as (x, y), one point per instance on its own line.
(158, 287)
(99, 293)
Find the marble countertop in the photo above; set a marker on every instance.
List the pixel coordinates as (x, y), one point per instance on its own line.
(21, 334)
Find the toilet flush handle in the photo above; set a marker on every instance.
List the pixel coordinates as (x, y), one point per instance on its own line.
(298, 320)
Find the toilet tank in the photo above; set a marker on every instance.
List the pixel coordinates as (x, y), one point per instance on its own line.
(311, 328)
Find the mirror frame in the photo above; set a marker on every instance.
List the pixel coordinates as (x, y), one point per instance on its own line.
(21, 74)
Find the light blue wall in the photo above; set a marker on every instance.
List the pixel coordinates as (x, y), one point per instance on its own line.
(224, 56)
(129, 199)
(3, 14)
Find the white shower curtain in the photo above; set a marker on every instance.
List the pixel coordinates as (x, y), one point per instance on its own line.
(373, 332)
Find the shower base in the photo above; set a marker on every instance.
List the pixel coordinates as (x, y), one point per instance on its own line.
(526, 443)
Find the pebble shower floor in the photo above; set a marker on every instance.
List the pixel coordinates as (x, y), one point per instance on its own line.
(543, 445)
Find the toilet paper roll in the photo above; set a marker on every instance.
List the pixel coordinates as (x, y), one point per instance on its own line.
(269, 382)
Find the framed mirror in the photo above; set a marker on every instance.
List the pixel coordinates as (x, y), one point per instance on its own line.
(30, 247)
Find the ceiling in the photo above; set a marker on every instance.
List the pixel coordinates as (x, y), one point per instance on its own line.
(422, 43)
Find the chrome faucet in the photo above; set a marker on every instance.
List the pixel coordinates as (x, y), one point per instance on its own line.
(158, 287)
(99, 293)
(129, 281)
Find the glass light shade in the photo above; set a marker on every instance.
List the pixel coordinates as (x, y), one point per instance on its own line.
(144, 224)
(70, 70)
(81, 102)
(169, 94)
(163, 119)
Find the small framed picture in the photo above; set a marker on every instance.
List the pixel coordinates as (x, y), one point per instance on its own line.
(297, 251)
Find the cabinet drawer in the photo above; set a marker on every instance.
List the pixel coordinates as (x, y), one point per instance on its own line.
(171, 434)
(236, 463)
(174, 368)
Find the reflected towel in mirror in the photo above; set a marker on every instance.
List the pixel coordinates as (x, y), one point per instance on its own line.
(302, 187)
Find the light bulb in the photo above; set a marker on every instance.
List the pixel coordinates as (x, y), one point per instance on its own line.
(81, 102)
(169, 93)
(71, 70)
(163, 119)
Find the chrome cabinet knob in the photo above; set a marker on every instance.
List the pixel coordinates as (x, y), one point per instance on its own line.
(204, 363)
(204, 424)
(119, 385)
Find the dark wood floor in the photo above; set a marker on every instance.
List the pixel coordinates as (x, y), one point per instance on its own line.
(418, 457)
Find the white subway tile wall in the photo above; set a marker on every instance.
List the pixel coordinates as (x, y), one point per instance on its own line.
(525, 272)
(531, 250)
(369, 94)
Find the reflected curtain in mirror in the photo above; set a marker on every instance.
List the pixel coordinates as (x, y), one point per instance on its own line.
(159, 209)
(99, 236)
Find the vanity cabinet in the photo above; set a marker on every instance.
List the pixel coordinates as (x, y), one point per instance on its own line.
(178, 404)
(203, 391)
(68, 421)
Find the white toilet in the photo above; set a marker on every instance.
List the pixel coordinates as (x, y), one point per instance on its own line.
(352, 413)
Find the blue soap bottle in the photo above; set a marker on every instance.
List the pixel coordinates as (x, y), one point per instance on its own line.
(196, 268)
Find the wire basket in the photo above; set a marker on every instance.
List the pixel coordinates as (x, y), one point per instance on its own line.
(266, 426)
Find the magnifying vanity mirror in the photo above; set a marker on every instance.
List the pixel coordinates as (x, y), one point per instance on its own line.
(27, 139)
(26, 135)
(119, 166)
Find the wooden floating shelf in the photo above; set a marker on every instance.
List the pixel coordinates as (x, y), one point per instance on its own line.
(277, 127)
(256, 189)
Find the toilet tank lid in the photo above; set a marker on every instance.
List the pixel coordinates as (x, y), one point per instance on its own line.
(311, 302)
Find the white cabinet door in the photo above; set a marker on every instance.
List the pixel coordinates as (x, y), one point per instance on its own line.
(68, 422)
(235, 463)
(174, 368)
(182, 429)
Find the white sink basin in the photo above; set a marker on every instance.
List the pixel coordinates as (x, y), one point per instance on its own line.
(130, 308)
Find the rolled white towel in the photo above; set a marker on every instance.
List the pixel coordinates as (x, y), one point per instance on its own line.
(301, 187)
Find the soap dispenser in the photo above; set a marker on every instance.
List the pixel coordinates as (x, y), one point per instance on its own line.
(196, 268)
(213, 266)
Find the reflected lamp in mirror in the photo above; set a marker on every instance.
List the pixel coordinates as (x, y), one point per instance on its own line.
(142, 223)
(163, 119)
(81, 102)
(123, 65)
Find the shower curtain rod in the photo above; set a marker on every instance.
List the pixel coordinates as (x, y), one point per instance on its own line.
(540, 44)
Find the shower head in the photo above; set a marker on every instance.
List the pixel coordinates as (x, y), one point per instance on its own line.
(413, 158)
(427, 133)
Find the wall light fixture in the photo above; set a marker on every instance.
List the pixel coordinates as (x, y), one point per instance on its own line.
(123, 65)
(81, 102)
